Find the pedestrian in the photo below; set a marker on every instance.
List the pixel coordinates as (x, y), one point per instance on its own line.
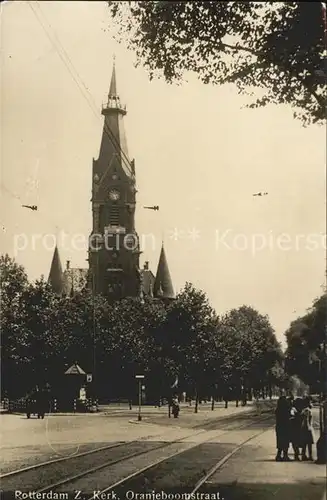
(227, 395)
(307, 430)
(296, 426)
(282, 414)
(175, 406)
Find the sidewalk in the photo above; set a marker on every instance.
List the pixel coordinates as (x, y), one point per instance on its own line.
(159, 415)
(188, 419)
(252, 473)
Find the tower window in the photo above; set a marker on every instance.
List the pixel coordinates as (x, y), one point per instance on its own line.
(114, 215)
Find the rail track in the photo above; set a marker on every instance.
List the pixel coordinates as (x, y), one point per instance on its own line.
(52, 474)
(206, 425)
(142, 481)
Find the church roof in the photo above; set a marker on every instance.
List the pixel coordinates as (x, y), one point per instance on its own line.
(163, 286)
(75, 369)
(147, 282)
(56, 275)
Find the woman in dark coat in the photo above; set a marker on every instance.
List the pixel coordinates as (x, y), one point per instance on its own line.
(296, 426)
(282, 429)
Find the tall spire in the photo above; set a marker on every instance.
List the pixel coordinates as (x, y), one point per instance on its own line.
(163, 286)
(113, 143)
(56, 277)
(113, 97)
(113, 85)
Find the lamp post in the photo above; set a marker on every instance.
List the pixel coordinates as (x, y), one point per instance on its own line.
(140, 378)
(321, 443)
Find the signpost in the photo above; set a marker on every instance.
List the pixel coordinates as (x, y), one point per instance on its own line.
(140, 378)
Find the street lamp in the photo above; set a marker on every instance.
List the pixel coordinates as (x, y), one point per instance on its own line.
(321, 443)
(140, 378)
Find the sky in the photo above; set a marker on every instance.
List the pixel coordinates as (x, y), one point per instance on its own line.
(199, 154)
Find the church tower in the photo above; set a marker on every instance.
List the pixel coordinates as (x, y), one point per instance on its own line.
(114, 244)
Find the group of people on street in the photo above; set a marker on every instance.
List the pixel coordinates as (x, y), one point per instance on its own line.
(294, 425)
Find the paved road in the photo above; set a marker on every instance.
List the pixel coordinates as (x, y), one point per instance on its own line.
(31, 440)
(250, 473)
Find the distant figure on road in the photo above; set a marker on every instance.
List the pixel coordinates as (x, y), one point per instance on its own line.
(307, 430)
(227, 395)
(282, 429)
(175, 406)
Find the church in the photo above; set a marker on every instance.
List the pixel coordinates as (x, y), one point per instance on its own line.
(114, 250)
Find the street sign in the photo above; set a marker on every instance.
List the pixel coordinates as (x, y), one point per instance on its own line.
(139, 376)
(88, 377)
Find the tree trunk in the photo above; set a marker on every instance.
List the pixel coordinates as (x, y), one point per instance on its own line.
(212, 403)
(236, 403)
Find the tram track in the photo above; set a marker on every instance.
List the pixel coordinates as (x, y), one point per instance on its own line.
(136, 464)
(54, 474)
(182, 468)
(204, 426)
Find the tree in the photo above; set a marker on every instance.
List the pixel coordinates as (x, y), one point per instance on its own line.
(250, 350)
(13, 283)
(33, 345)
(306, 349)
(127, 345)
(189, 341)
(276, 47)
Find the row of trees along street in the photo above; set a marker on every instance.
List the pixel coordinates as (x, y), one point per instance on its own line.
(231, 356)
(306, 346)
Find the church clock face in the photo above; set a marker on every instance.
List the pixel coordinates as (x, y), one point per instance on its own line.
(114, 195)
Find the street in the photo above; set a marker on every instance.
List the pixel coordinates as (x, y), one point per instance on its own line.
(206, 453)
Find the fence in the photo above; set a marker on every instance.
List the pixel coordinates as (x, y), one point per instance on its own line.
(55, 406)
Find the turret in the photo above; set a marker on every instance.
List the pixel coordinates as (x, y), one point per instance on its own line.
(163, 287)
(56, 277)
